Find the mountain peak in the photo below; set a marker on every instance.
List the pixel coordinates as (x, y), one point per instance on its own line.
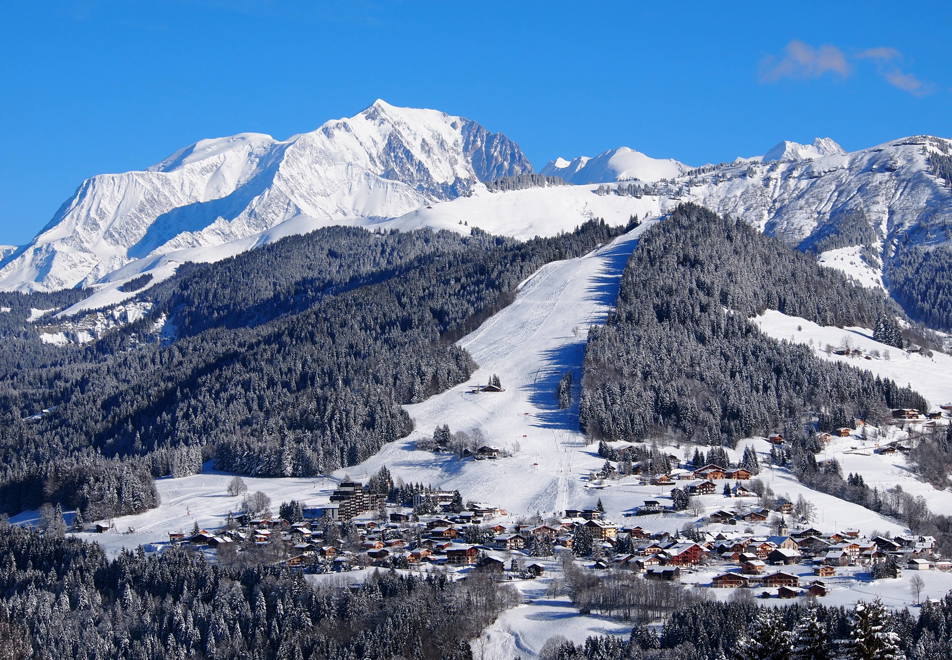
(383, 162)
(789, 150)
(615, 165)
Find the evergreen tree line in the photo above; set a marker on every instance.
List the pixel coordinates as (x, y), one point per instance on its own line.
(846, 227)
(679, 355)
(254, 381)
(62, 598)
(714, 630)
(921, 281)
(523, 181)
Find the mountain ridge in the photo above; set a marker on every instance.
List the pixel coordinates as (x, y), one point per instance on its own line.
(382, 162)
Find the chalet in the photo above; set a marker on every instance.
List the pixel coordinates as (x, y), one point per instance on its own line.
(756, 516)
(378, 554)
(919, 565)
(824, 571)
(650, 549)
(810, 531)
(817, 589)
(784, 506)
(461, 554)
(709, 472)
(535, 570)
(662, 480)
(637, 532)
(740, 491)
(544, 531)
(787, 592)
(649, 507)
(785, 542)
(490, 563)
(684, 553)
(601, 530)
(703, 488)
(775, 439)
(781, 580)
(418, 555)
(905, 413)
(934, 415)
(102, 527)
(444, 532)
(510, 542)
(836, 558)
(399, 516)
(488, 452)
(218, 541)
(824, 438)
(722, 516)
(783, 556)
(729, 581)
(844, 432)
(176, 537)
(740, 474)
(752, 567)
(645, 563)
(664, 573)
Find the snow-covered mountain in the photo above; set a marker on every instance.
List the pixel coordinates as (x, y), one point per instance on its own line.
(614, 165)
(409, 168)
(383, 162)
(787, 150)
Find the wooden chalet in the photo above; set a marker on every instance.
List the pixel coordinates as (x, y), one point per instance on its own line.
(781, 579)
(460, 554)
(729, 581)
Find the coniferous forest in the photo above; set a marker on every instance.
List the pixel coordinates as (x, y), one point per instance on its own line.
(300, 369)
(679, 355)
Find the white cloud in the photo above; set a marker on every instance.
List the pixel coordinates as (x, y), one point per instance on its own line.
(801, 60)
(907, 82)
(880, 53)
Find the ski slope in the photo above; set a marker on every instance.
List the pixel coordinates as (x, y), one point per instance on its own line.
(530, 344)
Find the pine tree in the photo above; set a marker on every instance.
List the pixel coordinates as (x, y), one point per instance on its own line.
(870, 637)
(810, 639)
(887, 331)
(766, 639)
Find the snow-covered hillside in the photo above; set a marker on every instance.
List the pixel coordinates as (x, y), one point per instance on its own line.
(383, 162)
(615, 165)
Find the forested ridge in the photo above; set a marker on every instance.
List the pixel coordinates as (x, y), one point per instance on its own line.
(679, 355)
(62, 598)
(293, 359)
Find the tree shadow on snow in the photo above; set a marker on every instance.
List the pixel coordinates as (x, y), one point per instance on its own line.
(604, 289)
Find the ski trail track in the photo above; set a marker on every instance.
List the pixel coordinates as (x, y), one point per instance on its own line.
(530, 344)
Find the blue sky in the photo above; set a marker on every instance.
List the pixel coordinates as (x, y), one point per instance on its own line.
(103, 86)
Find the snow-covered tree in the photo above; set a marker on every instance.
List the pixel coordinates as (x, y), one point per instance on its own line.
(870, 637)
(766, 639)
(887, 331)
(810, 639)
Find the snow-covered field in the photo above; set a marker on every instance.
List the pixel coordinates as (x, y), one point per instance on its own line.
(930, 376)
